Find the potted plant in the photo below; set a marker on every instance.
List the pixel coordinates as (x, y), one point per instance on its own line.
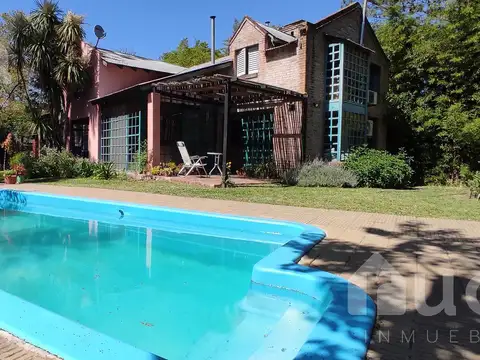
(10, 177)
(20, 172)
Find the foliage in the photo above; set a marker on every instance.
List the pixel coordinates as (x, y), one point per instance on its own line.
(9, 172)
(84, 168)
(8, 143)
(141, 160)
(105, 171)
(474, 185)
(227, 176)
(188, 56)
(466, 174)
(19, 169)
(47, 44)
(289, 177)
(15, 119)
(262, 171)
(166, 169)
(378, 168)
(53, 163)
(434, 97)
(7, 146)
(320, 174)
(22, 159)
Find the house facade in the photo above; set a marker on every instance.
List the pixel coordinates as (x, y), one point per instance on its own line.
(346, 82)
(342, 81)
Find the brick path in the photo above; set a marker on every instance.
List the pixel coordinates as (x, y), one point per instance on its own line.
(442, 251)
(12, 348)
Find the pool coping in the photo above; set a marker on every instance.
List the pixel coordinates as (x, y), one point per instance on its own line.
(337, 335)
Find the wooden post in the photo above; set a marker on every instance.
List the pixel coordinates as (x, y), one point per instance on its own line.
(226, 111)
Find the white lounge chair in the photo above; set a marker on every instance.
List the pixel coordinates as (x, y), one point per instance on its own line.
(190, 163)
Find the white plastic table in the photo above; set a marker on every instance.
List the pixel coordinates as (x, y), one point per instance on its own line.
(216, 162)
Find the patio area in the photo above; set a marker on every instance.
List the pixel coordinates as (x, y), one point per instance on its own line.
(443, 251)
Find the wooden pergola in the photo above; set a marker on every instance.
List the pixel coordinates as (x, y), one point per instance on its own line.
(231, 92)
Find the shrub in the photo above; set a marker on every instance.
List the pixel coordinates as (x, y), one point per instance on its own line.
(318, 173)
(165, 169)
(23, 159)
(105, 171)
(379, 169)
(466, 175)
(84, 168)
(66, 164)
(289, 177)
(9, 173)
(141, 159)
(474, 185)
(262, 171)
(54, 163)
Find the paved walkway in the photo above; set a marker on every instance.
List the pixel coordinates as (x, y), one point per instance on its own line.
(442, 251)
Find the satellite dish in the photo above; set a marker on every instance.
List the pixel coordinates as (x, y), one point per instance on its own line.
(99, 33)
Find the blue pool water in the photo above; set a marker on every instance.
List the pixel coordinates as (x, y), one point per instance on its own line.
(95, 280)
(165, 292)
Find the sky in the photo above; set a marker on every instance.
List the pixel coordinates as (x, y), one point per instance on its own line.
(152, 27)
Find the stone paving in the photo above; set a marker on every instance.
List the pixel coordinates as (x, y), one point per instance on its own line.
(442, 251)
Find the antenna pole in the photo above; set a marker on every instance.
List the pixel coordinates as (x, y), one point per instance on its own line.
(212, 41)
(364, 21)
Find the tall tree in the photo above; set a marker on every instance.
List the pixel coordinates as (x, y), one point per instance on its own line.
(47, 45)
(187, 56)
(434, 97)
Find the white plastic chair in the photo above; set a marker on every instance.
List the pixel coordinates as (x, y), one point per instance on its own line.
(190, 163)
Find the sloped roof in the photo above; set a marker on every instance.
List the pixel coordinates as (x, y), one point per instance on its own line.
(196, 70)
(134, 61)
(337, 14)
(206, 65)
(277, 33)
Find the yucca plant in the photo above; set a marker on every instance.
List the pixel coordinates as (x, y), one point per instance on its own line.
(47, 45)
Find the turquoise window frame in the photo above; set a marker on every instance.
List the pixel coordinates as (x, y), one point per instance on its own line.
(120, 140)
(349, 128)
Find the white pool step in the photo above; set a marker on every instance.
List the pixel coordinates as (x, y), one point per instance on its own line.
(258, 335)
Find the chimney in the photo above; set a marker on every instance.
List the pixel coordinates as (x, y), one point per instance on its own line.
(212, 44)
(267, 23)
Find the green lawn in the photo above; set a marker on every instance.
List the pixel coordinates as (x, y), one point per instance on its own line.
(439, 202)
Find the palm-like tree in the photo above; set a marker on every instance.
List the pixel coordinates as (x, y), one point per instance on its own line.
(47, 45)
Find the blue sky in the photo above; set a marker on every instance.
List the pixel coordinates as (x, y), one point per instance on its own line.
(151, 27)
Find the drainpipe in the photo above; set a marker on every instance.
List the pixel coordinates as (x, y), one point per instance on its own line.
(212, 45)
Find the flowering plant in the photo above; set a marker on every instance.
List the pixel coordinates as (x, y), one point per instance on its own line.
(19, 169)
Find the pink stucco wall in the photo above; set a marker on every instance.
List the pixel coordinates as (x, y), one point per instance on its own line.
(153, 128)
(105, 79)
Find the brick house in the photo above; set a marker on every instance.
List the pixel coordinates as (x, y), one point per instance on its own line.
(318, 93)
(325, 61)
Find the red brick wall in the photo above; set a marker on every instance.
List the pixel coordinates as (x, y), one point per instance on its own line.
(285, 67)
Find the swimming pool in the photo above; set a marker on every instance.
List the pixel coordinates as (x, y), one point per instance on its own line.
(88, 279)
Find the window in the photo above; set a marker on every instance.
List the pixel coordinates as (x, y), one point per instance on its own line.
(247, 60)
(120, 139)
(375, 72)
(354, 131)
(355, 76)
(331, 134)
(333, 72)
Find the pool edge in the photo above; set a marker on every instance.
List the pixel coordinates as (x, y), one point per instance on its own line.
(281, 270)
